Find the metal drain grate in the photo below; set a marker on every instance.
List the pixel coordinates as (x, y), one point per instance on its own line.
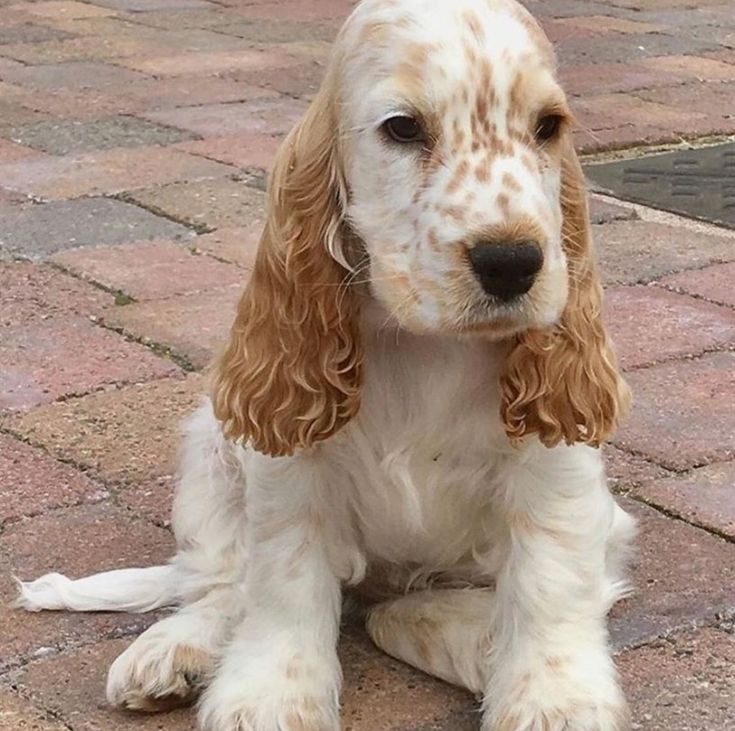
(698, 183)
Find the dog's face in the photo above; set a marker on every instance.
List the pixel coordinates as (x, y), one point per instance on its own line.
(450, 127)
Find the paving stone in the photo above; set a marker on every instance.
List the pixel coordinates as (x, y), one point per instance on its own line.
(62, 138)
(118, 436)
(10, 198)
(682, 415)
(315, 10)
(302, 80)
(151, 499)
(13, 152)
(194, 326)
(175, 18)
(202, 63)
(279, 31)
(633, 48)
(107, 172)
(63, 9)
(16, 115)
(710, 99)
(34, 482)
(149, 270)
(682, 576)
(69, 357)
(243, 150)
(692, 67)
(238, 245)
(640, 251)
(587, 79)
(30, 293)
(704, 496)
(713, 283)
(606, 24)
(17, 714)
(83, 48)
(29, 33)
(604, 212)
(686, 682)
(72, 687)
(139, 6)
(265, 116)
(626, 471)
(649, 324)
(215, 204)
(74, 75)
(76, 541)
(181, 91)
(35, 231)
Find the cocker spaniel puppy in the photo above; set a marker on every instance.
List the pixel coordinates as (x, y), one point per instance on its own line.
(412, 400)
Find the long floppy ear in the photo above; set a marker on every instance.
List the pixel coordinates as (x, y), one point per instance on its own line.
(290, 374)
(563, 383)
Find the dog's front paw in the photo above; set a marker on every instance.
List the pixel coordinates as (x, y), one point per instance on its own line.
(558, 698)
(295, 696)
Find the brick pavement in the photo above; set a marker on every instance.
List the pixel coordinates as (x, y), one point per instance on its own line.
(134, 135)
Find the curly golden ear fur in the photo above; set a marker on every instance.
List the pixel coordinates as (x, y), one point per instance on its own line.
(564, 383)
(290, 375)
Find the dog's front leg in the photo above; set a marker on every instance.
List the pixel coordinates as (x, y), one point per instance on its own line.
(550, 664)
(280, 671)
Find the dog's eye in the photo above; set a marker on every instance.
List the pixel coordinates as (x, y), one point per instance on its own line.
(403, 129)
(548, 127)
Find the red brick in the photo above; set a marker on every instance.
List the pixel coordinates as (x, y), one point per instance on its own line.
(11, 152)
(241, 150)
(691, 67)
(649, 325)
(65, 357)
(714, 283)
(682, 682)
(606, 24)
(626, 471)
(72, 687)
(603, 212)
(75, 541)
(640, 251)
(30, 293)
(705, 497)
(682, 414)
(193, 327)
(295, 9)
(202, 63)
(63, 9)
(213, 204)
(123, 436)
(152, 499)
(710, 99)
(107, 172)
(34, 482)
(17, 714)
(302, 80)
(237, 245)
(682, 575)
(267, 116)
(148, 269)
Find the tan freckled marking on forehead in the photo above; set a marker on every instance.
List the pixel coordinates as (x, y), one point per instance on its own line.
(459, 138)
(528, 162)
(433, 239)
(456, 213)
(460, 173)
(503, 203)
(482, 170)
(510, 182)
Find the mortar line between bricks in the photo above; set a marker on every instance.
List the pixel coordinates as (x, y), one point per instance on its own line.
(694, 295)
(681, 358)
(127, 197)
(674, 515)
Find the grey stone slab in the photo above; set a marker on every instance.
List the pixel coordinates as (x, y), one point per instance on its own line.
(15, 115)
(61, 137)
(264, 31)
(72, 75)
(29, 33)
(36, 231)
(698, 183)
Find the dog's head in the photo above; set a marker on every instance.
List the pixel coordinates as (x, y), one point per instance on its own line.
(435, 167)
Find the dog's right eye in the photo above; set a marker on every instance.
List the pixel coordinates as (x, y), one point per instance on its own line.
(403, 129)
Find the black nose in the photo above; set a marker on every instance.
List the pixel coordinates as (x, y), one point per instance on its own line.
(507, 269)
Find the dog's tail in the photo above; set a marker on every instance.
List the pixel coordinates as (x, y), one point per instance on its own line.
(124, 590)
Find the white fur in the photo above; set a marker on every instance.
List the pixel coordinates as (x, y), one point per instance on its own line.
(514, 553)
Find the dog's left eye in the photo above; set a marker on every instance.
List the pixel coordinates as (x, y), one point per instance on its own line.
(403, 129)
(548, 127)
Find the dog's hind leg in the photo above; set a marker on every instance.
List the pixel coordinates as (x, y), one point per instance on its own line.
(443, 632)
